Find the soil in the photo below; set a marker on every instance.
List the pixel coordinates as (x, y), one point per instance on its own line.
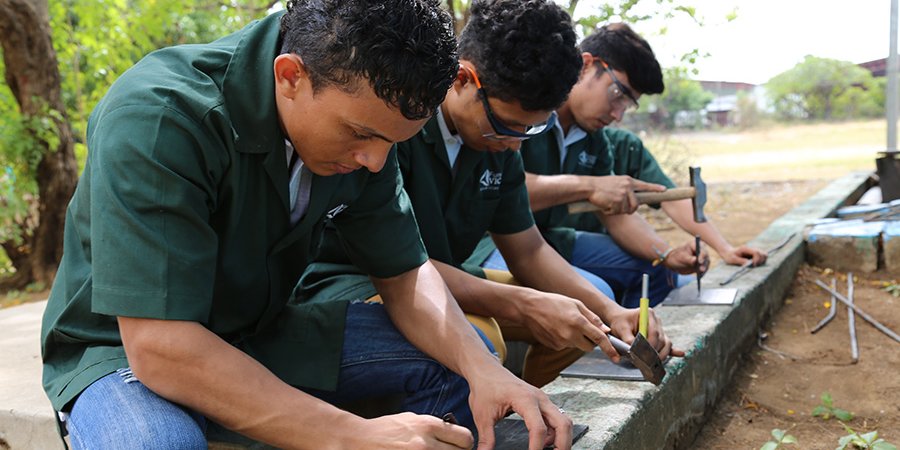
(782, 380)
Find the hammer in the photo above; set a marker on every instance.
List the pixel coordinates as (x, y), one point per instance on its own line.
(697, 193)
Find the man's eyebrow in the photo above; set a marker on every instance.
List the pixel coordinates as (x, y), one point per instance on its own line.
(374, 133)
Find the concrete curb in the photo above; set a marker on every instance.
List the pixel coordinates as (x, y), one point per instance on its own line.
(26, 417)
(636, 416)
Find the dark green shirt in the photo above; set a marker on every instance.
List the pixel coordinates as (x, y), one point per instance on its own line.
(485, 191)
(608, 151)
(182, 214)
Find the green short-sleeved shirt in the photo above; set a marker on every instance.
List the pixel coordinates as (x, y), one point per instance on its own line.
(454, 208)
(608, 151)
(182, 213)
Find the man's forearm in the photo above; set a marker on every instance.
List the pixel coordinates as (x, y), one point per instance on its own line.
(485, 297)
(425, 312)
(189, 365)
(537, 265)
(545, 191)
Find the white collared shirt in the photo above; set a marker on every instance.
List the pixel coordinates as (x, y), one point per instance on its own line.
(563, 140)
(451, 141)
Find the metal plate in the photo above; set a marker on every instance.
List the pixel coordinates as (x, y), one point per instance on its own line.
(687, 295)
(511, 434)
(597, 365)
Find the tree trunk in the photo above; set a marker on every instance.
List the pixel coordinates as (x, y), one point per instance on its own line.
(33, 76)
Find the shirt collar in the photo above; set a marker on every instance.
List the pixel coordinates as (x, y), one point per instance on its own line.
(249, 87)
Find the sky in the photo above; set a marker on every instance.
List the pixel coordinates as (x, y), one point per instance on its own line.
(767, 37)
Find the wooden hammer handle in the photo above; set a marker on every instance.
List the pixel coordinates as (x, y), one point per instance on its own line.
(642, 197)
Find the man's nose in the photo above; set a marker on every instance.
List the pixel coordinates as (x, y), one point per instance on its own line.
(372, 157)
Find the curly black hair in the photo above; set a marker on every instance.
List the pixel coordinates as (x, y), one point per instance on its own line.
(626, 51)
(404, 48)
(523, 51)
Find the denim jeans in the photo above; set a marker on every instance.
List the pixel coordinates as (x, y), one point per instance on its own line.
(598, 254)
(118, 411)
(496, 261)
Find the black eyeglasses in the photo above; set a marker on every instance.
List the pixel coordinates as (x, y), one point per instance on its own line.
(618, 94)
(501, 131)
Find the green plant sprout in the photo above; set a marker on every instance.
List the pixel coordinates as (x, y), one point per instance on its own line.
(892, 288)
(826, 410)
(869, 441)
(781, 439)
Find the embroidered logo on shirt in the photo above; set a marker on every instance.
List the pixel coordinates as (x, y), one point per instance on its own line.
(586, 160)
(490, 181)
(336, 210)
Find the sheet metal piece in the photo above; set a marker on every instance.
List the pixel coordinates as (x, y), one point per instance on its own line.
(684, 296)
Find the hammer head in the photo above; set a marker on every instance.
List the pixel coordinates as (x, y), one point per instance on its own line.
(699, 200)
(642, 356)
(646, 359)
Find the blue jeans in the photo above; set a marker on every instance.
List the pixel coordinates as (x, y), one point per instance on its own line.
(598, 254)
(495, 261)
(118, 411)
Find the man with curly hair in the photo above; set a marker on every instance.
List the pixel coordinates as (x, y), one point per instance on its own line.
(518, 61)
(584, 159)
(210, 173)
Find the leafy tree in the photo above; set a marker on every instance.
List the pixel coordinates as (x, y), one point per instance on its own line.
(683, 96)
(53, 80)
(822, 88)
(39, 169)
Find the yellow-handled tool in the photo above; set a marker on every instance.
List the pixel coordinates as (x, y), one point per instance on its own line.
(644, 319)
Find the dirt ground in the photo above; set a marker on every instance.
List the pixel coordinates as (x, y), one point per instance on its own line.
(779, 387)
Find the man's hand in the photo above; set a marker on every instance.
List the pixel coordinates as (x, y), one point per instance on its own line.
(412, 431)
(559, 322)
(624, 324)
(614, 194)
(683, 259)
(495, 392)
(738, 256)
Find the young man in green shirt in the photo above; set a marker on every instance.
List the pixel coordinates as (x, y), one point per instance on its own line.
(518, 61)
(210, 173)
(584, 159)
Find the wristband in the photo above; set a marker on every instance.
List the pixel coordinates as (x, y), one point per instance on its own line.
(661, 256)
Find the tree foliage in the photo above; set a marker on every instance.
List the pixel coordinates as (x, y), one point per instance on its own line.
(822, 88)
(91, 43)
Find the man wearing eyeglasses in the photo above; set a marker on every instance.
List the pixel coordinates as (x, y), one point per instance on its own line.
(584, 159)
(464, 177)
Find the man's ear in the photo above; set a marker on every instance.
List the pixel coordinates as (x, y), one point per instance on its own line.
(291, 76)
(587, 60)
(463, 77)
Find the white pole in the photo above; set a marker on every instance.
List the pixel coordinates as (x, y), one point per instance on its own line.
(892, 83)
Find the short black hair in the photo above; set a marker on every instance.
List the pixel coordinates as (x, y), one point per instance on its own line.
(523, 51)
(626, 51)
(404, 48)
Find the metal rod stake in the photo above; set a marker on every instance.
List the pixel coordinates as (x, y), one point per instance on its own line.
(859, 311)
(831, 312)
(851, 320)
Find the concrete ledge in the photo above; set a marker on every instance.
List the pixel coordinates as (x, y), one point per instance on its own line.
(26, 417)
(637, 416)
(621, 415)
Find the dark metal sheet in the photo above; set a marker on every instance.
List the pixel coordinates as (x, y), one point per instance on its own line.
(511, 434)
(597, 365)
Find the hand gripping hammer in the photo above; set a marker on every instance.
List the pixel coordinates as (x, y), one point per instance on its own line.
(696, 192)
